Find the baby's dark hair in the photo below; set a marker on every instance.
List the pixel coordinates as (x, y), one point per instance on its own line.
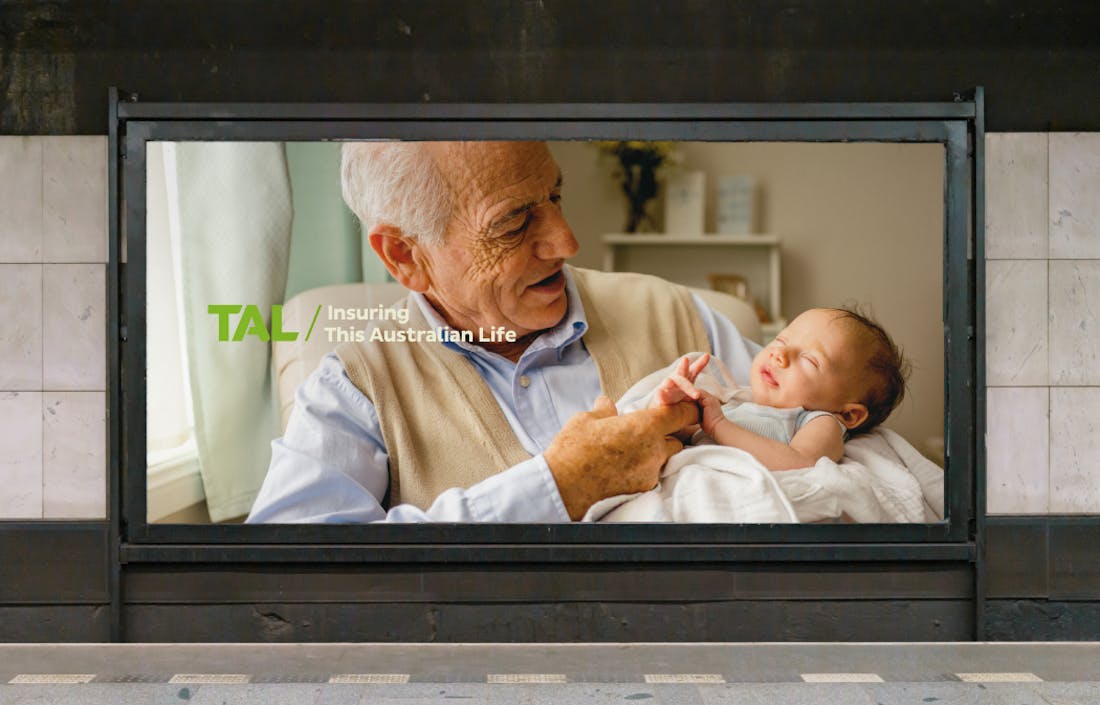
(888, 366)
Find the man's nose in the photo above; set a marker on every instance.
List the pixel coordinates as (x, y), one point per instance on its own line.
(557, 241)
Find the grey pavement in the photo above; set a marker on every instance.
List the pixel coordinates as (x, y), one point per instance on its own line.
(700, 674)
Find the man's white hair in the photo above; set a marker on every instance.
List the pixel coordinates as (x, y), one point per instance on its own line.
(397, 184)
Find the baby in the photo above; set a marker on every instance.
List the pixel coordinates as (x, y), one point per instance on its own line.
(829, 374)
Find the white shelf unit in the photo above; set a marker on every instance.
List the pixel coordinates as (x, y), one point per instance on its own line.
(698, 251)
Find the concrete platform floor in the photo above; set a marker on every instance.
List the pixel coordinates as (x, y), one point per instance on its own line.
(652, 674)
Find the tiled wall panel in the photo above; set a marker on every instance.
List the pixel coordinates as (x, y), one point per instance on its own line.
(74, 199)
(21, 199)
(20, 327)
(1075, 450)
(1075, 321)
(1075, 195)
(1017, 447)
(74, 457)
(1016, 322)
(74, 327)
(53, 301)
(1016, 196)
(21, 460)
(1043, 401)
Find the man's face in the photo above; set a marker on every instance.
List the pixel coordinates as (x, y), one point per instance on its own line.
(501, 260)
(815, 363)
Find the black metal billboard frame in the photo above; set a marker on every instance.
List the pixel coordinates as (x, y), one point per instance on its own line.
(957, 125)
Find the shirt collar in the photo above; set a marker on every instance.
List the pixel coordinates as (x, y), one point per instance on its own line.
(571, 327)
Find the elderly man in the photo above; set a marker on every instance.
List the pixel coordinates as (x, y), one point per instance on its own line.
(506, 423)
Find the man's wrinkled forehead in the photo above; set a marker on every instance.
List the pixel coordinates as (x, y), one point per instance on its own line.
(462, 162)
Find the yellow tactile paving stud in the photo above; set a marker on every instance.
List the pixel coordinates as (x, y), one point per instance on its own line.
(841, 678)
(369, 678)
(684, 678)
(210, 678)
(51, 678)
(999, 677)
(526, 678)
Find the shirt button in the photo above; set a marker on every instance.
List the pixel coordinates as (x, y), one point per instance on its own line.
(524, 381)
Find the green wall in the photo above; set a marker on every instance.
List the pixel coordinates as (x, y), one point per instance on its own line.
(326, 247)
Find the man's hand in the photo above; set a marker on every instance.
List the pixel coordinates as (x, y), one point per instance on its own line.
(600, 454)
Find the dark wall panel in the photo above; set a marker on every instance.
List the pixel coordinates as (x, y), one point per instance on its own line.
(1039, 60)
(205, 584)
(1017, 557)
(1040, 620)
(55, 624)
(864, 620)
(1075, 560)
(53, 563)
(1044, 557)
(822, 602)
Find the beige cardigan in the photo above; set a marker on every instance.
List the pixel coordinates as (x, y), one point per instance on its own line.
(441, 424)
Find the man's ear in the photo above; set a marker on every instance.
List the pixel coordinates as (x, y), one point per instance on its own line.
(401, 255)
(852, 415)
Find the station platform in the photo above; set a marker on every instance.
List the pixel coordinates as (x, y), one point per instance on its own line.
(654, 674)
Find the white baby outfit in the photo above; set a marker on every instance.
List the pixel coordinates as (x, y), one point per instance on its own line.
(711, 483)
(777, 424)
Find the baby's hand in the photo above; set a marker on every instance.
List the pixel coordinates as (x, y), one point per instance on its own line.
(680, 385)
(711, 407)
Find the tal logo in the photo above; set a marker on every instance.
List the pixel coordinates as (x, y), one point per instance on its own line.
(251, 323)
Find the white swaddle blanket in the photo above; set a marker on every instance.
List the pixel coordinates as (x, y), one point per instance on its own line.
(880, 479)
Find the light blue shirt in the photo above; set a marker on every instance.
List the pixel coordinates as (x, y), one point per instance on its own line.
(332, 465)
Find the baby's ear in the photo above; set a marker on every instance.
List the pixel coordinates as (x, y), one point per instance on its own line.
(852, 415)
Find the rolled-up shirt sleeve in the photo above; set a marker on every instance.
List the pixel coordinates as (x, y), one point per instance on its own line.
(331, 466)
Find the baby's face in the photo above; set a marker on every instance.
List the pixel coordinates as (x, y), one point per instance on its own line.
(815, 363)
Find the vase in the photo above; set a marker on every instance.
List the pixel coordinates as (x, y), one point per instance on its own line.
(639, 183)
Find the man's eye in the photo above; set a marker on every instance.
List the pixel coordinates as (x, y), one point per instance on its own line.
(521, 229)
(516, 232)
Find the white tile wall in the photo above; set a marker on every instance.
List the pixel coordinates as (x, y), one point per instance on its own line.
(1017, 447)
(1075, 450)
(1016, 322)
(1075, 321)
(1016, 195)
(21, 461)
(1075, 195)
(20, 327)
(53, 250)
(74, 327)
(1043, 229)
(74, 199)
(21, 199)
(74, 461)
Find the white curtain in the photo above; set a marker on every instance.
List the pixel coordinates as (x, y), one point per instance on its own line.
(174, 480)
(230, 217)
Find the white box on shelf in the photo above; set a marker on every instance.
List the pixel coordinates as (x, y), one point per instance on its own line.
(685, 197)
(757, 257)
(735, 204)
